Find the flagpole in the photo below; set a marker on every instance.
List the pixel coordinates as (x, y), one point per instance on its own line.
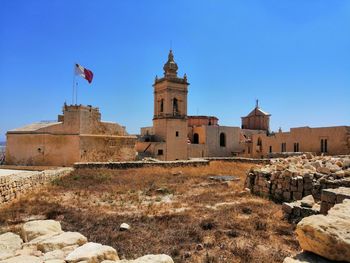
(76, 93)
(73, 83)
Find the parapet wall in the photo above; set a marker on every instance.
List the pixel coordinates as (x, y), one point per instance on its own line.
(11, 186)
(295, 177)
(140, 164)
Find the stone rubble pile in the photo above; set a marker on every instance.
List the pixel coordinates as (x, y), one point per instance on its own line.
(43, 241)
(327, 236)
(307, 206)
(292, 178)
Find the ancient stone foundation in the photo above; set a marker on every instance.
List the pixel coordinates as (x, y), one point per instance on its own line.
(293, 178)
(11, 186)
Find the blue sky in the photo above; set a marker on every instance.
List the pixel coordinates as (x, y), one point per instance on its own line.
(293, 55)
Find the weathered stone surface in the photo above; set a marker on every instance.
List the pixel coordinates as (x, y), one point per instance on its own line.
(327, 236)
(154, 259)
(55, 254)
(306, 257)
(9, 243)
(55, 261)
(36, 228)
(23, 259)
(49, 243)
(162, 258)
(308, 201)
(92, 253)
(124, 227)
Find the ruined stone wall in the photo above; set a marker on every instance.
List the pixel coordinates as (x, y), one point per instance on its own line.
(140, 164)
(295, 177)
(11, 186)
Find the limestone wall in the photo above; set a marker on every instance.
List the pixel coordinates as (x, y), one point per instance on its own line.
(295, 177)
(11, 186)
(140, 164)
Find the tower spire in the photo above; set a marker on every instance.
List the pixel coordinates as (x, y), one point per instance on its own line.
(170, 67)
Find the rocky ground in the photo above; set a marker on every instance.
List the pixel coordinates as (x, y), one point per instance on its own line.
(190, 214)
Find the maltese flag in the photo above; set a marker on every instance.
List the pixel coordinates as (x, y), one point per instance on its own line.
(83, 72)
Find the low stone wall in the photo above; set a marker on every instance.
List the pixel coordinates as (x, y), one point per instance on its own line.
(331, 197)
(239, 160)
(18, 183)
(140, 164)
(295, 177)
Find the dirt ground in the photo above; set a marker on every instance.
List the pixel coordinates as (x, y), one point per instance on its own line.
(180, 212)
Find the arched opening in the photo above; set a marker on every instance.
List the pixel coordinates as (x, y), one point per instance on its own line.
(195, 138)
(222, 139)
(175, 106)
(259, 143)
(162, 105)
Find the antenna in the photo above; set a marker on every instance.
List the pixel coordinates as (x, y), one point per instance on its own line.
(171, 44)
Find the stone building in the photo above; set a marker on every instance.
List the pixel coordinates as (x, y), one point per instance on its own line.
(78, 135)
(322, 140)
(175, 135)
(257, 119)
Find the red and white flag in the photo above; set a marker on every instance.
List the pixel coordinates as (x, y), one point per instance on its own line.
(83, 72)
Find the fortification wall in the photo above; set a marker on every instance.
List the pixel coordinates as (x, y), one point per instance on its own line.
(13, 185)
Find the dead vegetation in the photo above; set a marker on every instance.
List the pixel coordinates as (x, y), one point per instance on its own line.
(180, 212)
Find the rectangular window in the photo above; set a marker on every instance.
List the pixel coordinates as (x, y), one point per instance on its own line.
(270, 150)
(324, 145)
(160, 152)
(177, 134)
(296, 147)
(248, 149)
(283, 147)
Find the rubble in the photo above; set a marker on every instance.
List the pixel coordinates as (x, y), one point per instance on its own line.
(46, 242)
(295, 177)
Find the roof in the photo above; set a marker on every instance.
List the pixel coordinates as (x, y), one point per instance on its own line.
(202, 117)
(258, 111)
(34, 126)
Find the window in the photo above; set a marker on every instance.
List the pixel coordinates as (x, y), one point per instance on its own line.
(175, 106)
(270, 150)
(222, 139)
(248, 149)
(177, 134)
(209, 124)
(195, 138)
(160, 152)
(259, 143)
(283, 147)
(162, 105)
(324, 145)
(296, 147)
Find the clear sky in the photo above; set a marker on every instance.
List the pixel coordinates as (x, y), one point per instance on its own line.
(293, 55)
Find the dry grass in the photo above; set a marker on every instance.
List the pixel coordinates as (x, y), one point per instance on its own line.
(177, 211)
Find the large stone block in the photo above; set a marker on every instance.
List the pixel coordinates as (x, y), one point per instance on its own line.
(36, 228)
(327, 236)
(92, 253)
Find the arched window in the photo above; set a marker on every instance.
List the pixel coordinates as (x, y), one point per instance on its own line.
(162, 105)
(259, 143)
(195, 138)
(175, 106)
(222, 139)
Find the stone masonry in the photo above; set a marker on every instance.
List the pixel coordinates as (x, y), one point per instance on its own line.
(12, 185)
(295, 177)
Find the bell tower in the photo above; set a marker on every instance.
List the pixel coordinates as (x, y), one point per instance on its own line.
(170, 111)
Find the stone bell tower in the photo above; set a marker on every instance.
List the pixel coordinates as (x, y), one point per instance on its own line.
(170, 112)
